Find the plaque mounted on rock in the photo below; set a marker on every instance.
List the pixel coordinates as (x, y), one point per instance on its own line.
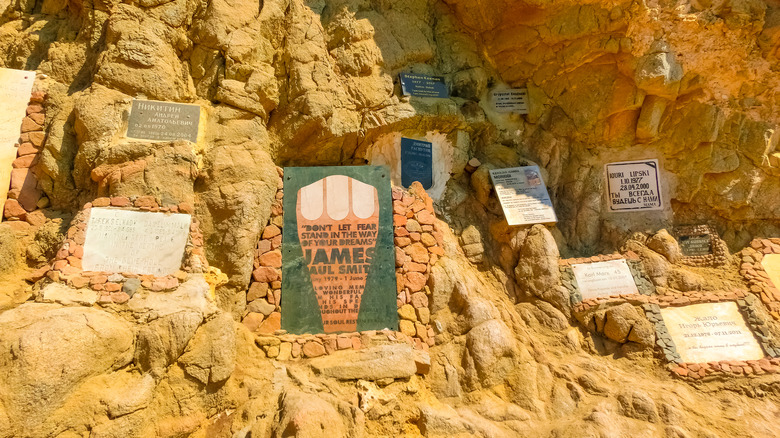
(523, 195)
(696, 245)
(15, 89)
(163, 121)
(513, 100)
(633, 186)
(416, 162)
(606, 278)
(413, 84)
(711, 332)
(338, 259)
(136, 242)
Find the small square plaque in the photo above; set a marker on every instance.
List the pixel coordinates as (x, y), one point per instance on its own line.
(143, 243)
(163, 121)
(416, 162)
(699, 245)
(523, 195)
(711, 332)
(413, 84)
(604, 278)
(513, 100)
(633, 186)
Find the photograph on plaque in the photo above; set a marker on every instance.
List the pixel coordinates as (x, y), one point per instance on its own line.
(416, 162)
(413, 84)
(711, 332)
(163, 121)
(523, 195)
(338, 258)
(514, 100)
(138, 242)
(633, 186)
(606, 278)
(15, 89)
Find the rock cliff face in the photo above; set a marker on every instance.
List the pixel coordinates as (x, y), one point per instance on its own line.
(691, 83)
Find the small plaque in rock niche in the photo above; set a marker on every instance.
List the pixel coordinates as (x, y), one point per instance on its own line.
(413, 84)
(711, 332)
(513, 100)
(698, 245)
(143, 243)
(599, 279)
(523, 195)
(416, 162)
(338, 259)
(163, 121)
(15, 89)
(771, 264)
(633, 185)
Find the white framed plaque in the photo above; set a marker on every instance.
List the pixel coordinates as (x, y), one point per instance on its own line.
(633, 186)
(523, 195)
(138, 242)
(711, 332)
(15, 89)
(599, 279)
(512, 100)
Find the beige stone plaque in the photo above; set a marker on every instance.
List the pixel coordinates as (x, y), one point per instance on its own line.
(711, 332)
(142, 243)
(15, 89)
(771, 264)
(604, 278)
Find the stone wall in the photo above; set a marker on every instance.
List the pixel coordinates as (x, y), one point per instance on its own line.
(757, 278)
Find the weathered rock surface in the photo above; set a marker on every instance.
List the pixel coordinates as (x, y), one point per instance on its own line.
(375, 363)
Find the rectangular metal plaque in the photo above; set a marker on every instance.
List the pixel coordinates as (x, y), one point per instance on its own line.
(513, 100)
(523, 195)
(163, 121)
(413, 84)
(338, 259)
(633, 185)
(416, 162)
(143, 243)
(699, 245)
(604, 278)
(711, 332)
(15, 89)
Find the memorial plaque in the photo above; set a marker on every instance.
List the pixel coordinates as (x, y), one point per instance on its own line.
(338, 259)
(523, 195)
(139, 242)
(514, 100)
(633, 185)
(163, 121)
(711, 332)
(413, 84)
(699, 245)
(15, 89)
(771, 264)
(416, 162)
(599, 279)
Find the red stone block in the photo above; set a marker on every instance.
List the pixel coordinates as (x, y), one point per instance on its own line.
(415, 281)
(271, 231)
(113, 287)
(120, 201)
(146, 202)
(343, 343)
(266, 274)
(12, 209)
(101, 202)
(399, 220)
(36, 138)
(24, 162)
(272, 259)
(37, 96)
(271, 324)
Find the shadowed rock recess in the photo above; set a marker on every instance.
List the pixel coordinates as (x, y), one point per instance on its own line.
(501, 332)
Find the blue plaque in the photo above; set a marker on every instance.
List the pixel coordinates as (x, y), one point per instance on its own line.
(413, 84)
(416, 162)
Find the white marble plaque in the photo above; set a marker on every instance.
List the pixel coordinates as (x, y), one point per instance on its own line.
(711, 332)
(633, 186)
(599, 279)
(514, 100)
(523, 195)
(15, 89)
(142, 243)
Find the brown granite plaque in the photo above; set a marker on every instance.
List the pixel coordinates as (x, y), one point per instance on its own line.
(163, 121)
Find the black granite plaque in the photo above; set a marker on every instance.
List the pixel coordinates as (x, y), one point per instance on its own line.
(163, 121)
(413, 84)
(416, 162)
(699, 245)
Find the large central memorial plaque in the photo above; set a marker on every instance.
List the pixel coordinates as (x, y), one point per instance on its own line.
(604, 278)
(413, 84)
(338, 261)
(523, 195)
(771, 264)
(633, 185)
(138, 242)
(711, 332)
(163, 121)
(416, 162)
(15, 89)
